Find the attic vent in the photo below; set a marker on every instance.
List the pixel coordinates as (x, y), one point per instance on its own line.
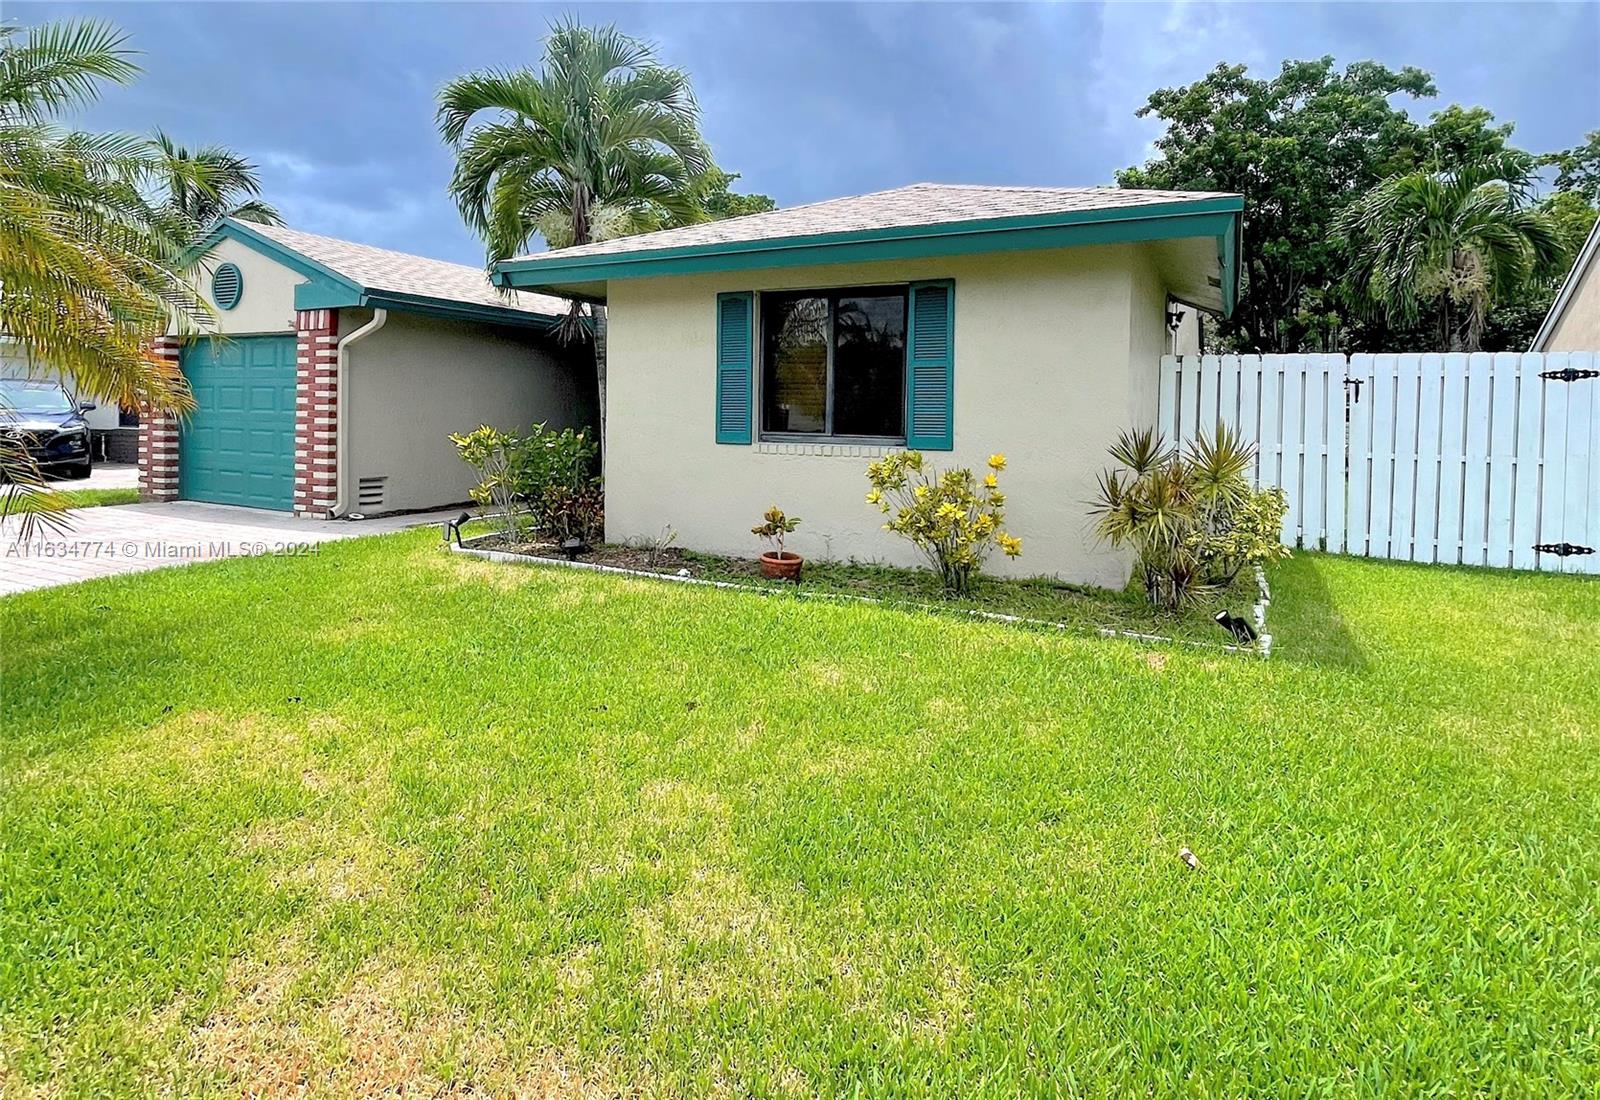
(227, 284)
(369, 492)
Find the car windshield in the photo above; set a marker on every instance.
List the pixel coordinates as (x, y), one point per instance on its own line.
(20, 396)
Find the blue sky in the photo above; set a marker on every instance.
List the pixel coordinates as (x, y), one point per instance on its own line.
(808, 101)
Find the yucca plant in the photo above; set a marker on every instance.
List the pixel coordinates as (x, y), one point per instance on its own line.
(1191, 517)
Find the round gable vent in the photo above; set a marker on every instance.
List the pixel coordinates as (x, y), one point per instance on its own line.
(227, 284)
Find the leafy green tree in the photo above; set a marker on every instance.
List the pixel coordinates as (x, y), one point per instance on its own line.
(1449, 245)
(207, 183)
(1298, 146)
(91, 271)
(601, 142)
(719, 200)
(1515, 320)
(1578, 168)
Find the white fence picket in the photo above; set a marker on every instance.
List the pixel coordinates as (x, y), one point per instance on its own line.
(1475, 461)
(1425, 513)
(1436, 458)
(1503, 423)
(1553, 465)
(1334, 463)
(1358, 507)
(1383, 405)
(1529, 453)
(1452, 456)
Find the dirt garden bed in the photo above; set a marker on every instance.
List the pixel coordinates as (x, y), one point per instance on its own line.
(1040, 602)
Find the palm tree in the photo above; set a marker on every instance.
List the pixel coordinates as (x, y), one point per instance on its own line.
(603, 141)
(91, 271)
(1451, 244)
(209, 183)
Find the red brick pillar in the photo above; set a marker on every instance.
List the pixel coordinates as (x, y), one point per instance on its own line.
(316, 452)
(158, 438)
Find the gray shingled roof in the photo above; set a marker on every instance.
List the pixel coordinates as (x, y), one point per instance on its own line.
(379, 269)
(918, 204)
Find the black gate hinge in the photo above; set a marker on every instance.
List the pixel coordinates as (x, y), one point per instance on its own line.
(1562, 549)
(1569, 374)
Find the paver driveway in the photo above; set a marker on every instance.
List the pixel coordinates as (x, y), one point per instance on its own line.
(131, 537)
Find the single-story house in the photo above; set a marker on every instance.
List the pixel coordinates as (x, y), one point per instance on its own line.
(768, 358)
(338, 371)
(1573, 323)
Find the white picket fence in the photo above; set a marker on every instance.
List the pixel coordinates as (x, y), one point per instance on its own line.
(1464, 459)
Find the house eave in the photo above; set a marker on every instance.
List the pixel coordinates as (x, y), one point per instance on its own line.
(1217, 218)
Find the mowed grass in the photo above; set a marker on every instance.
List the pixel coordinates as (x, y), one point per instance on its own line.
(80, 498)
(384, 818)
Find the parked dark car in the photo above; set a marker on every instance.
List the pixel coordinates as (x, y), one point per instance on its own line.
(48, 423)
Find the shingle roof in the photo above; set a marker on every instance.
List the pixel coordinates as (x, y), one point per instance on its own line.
(379, 269)
(918, 204)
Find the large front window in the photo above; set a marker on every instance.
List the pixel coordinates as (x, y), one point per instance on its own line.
(833, 363)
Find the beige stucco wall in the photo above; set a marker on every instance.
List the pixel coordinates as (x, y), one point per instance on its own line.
(418, 379)
(267, 304)
(1055, 353)
(1579, 326)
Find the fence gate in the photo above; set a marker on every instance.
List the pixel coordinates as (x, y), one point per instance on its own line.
(1482, 459)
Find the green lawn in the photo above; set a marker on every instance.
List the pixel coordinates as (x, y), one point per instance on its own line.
(385, 817)
(83, 498)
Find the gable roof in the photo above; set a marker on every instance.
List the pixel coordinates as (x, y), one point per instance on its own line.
(1569, 286)
(345, 273)
(924, 219)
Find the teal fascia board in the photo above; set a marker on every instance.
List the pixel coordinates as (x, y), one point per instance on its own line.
(325, 288)
(1228, 259)
(1199, 218)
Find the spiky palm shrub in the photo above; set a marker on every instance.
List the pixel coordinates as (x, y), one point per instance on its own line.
(1448, 243)
(91, 270)
(1191, 516)
(596, 144)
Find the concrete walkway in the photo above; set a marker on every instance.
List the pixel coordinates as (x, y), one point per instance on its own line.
(130, 538)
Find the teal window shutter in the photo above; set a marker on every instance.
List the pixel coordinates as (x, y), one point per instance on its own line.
(931, 367)
(735, 371)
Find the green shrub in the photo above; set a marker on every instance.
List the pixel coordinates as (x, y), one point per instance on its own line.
(951, 517)
(546, 479)
(1191, 516)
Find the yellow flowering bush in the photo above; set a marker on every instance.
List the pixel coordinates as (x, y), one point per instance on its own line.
(952, 517)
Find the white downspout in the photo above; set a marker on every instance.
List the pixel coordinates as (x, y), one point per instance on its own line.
(341, 404)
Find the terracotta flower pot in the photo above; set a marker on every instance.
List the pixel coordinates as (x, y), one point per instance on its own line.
(783, 567)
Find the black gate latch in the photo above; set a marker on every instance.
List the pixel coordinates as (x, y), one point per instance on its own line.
(1356, 382)
(1569, 374)
(1562, 549)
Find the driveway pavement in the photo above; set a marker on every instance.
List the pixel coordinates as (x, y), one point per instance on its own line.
(105, 475)
(129, 538)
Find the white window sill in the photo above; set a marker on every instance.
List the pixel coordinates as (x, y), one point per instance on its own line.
(827, 449)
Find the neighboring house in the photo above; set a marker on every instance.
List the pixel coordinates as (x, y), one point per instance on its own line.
(341, 371)
(115, 432)
(769, 358)
(1573, 323)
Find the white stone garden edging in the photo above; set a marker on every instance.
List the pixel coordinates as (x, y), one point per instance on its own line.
(505, 556)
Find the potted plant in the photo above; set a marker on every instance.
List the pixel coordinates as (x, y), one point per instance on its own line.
(778, 564)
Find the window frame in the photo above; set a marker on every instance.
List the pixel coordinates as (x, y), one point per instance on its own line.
(832, 294)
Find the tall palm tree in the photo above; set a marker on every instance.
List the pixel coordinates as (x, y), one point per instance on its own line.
(210, 182)
(601, 142)
(91, 271)
(1451, 244)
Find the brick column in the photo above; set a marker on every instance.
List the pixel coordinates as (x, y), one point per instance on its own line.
(158, 438)
(316, 450)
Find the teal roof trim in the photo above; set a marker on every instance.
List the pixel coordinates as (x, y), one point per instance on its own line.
(325, 288)
(1212, 217)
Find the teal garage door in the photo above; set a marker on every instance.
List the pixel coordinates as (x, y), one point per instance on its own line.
(237, 447)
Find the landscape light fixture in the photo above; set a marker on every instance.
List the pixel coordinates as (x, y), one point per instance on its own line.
(454, 527)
